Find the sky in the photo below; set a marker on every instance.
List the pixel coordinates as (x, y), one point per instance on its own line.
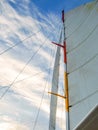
(51, 6)
(26, 54)
(56, 6)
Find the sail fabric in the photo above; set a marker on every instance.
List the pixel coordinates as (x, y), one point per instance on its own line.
(54, 89)
(82, 47)
(90, 122)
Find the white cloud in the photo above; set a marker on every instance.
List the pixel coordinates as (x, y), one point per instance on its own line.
(20, 105)
(12, 126)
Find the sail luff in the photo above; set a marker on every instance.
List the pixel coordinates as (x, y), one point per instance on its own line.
(54, 89)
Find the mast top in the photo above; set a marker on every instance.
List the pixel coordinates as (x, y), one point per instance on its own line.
(63, 16)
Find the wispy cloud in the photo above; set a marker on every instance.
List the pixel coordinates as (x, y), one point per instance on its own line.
(20, 105)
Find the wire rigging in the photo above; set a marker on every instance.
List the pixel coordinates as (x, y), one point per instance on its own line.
(35, 74)
(47, 80)
(8, 49)
(14, 81)
(19, 73)
(22, 70)
(35, 123)
(34, 126)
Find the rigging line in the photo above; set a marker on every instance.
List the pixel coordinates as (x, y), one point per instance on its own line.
(23, 68)
(35, 123)
(91, 59)
(42, 98)
(19, 43)
(33, 75)
(21, 71)
(82, 21)
(83, 42)
(51, 67)
(35, 19)
(20, 81)
(28, 77)
(18, 75)
(90, 95)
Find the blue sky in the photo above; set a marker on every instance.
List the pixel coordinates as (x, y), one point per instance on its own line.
(57, 5)
(49, 6)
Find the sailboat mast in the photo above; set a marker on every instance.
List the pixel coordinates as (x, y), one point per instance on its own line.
(66, 93)
(65, 77)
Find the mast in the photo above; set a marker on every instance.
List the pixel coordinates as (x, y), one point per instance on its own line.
(65, 77)
(66, 93)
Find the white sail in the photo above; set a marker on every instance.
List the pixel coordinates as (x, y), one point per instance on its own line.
(54, 89)
(82, 47)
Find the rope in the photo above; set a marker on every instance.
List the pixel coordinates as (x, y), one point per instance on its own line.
(35, 123)
(41, 100)
(35, 74)
(39, 107)
(22, 70)
(19, 43)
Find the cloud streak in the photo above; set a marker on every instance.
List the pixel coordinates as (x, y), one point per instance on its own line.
(21, 103)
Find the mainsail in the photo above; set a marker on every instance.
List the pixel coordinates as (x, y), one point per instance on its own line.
(82, 53)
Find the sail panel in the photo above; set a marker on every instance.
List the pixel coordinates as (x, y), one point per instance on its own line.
(70, 19)
(82, 48)
(84, 52)
(83, 83)
(80, 30)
